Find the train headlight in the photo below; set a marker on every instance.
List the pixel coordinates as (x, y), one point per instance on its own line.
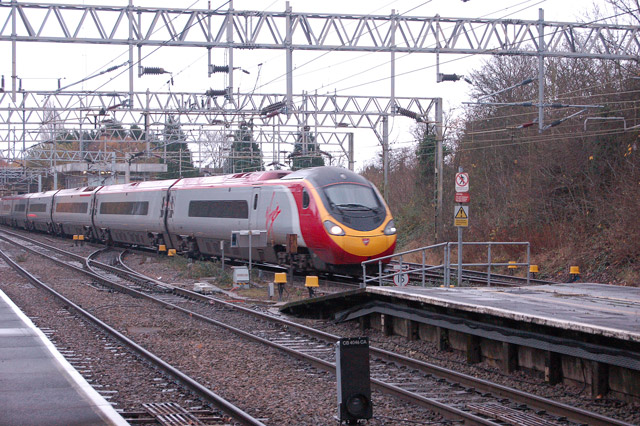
(390, 229)
(332, 228)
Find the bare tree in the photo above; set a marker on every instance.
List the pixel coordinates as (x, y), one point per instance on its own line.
(215, 148)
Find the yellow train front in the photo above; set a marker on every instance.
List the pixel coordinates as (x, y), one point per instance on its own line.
(343, 218)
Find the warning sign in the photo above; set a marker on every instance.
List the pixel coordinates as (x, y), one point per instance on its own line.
(461, 216)
(462, 182)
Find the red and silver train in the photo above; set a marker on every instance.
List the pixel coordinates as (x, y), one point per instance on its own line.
(325, 218)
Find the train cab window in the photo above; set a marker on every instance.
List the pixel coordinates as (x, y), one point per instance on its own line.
(255, 201)
(305, 199)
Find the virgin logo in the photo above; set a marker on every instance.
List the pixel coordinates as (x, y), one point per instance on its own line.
(271, 215)
(366, 241)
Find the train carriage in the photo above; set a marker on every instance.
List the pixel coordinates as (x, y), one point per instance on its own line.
(6, 204)
(346, 221)
(72, 210)
(203, 212)
(132, 213)
(325, 218)
(39, 211)
(18, 216)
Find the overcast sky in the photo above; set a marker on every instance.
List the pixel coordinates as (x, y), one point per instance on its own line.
(39, 65)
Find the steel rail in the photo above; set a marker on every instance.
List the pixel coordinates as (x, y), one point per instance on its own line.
(447, 411)
(573, 413)
(187, 381)
(531, 400)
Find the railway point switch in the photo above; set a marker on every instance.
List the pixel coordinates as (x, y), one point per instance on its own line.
(279, 278)
(311, 283)
(574, 272)
(203, 288)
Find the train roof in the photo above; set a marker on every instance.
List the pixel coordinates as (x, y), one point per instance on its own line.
(50, 193)
(234, 179)
(77, 191)
(328, 175)
(150, 185)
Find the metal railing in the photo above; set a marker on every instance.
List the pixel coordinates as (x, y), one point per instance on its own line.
(489, 264)
(402, 269)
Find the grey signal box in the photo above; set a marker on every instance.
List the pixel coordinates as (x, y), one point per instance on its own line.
(354, 382)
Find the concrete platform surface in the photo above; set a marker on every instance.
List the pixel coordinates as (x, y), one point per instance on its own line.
(37, 385)
(607, 310)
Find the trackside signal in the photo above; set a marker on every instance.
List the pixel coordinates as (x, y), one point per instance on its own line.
(354, 382)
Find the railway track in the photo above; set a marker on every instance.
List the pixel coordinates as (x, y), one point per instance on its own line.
(189, 383)
(455, 396)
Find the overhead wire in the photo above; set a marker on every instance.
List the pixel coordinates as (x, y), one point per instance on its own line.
(370, 53)
(485, 52)
(444, 62)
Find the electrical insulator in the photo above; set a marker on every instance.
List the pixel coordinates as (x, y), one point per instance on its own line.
(410, 114)
(450, 77)
(272, 108)
(153, 70)
(213, 93)
(219, 68)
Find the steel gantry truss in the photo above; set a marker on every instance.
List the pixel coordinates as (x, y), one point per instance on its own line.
(310, 31)
(41, 116)
(138, 27)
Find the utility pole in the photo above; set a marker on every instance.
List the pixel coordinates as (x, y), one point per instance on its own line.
(14, 34)
(385, 156)
(230, 49)
(541, 50)
(439, 172)
(289, 59)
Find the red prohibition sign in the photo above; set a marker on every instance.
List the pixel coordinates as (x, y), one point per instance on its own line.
(461, 179)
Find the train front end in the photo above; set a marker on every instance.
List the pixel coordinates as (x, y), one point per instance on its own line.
(355, 223)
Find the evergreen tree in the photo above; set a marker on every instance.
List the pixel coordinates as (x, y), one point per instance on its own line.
(178, 159)
(246, 155)
(306, 152)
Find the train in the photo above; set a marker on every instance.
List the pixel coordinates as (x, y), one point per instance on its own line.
(326, 219)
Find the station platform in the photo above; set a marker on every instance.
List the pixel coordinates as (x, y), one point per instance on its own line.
(598, 309)
(559, 330)
(37, 385)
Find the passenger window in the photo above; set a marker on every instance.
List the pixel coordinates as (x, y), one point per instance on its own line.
(255, 202)
(305, 199)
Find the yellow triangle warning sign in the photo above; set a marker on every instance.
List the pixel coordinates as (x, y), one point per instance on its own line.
(461, 214)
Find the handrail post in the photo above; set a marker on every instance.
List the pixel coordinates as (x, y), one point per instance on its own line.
(424, 261)
(380, 273)
(489, 264)
(364, 276)
(447, 278)
(528, 263)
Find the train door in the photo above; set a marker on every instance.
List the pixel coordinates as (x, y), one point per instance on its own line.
(168, 209)
(256, 220)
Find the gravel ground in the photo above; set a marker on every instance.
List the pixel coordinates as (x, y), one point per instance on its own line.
(578, 396)
(265, 383)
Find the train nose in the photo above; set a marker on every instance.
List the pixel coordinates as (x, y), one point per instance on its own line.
(367, 245)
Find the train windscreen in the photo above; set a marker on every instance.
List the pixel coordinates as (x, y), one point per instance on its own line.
(352, 196)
